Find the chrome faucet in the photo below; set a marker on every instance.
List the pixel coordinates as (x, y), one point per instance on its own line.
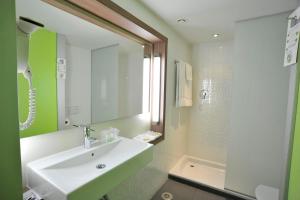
(87, 135)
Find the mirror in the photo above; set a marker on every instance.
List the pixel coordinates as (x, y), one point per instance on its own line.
(71, 71)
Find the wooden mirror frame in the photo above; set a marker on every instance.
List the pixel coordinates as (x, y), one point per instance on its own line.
(109, 15)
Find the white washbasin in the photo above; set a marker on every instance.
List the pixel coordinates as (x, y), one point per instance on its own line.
(75, 173)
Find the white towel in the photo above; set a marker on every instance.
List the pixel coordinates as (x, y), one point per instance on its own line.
(188, 72)
(184, 84)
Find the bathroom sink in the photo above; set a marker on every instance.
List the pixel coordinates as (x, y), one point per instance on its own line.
(89, 174)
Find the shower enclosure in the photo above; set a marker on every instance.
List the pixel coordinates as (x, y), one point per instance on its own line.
(241, 119)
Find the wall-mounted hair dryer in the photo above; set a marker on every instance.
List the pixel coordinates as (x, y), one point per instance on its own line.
(25, 27)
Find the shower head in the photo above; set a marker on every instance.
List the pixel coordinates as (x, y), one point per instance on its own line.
(28, 26)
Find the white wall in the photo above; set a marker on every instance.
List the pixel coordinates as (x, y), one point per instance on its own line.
(259, 106)
(123, 84)
(117, 77)
(209, 118)
(105, 84)
(78, 93)
(135, 81)
(131, 80)
(143, 185)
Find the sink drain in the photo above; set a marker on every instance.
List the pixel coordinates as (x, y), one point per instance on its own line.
(167, 196)
(100, 166)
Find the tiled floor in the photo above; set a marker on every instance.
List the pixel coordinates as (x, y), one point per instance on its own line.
(185, 192)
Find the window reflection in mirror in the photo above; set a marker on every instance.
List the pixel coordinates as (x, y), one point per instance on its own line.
(81, 73)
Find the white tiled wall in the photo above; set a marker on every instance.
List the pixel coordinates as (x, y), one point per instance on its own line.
(209, 117)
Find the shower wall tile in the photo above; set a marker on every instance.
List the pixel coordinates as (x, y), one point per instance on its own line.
(209, 116)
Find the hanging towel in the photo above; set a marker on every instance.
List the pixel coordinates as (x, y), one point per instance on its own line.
(188, 72)
(184, 84)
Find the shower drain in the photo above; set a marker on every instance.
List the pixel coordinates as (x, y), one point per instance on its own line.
(100, 166)
(167, 196)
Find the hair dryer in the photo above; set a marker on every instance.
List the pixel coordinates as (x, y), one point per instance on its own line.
(25, 27)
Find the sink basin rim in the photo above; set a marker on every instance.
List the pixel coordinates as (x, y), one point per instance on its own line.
(39, 166)
(53, 159)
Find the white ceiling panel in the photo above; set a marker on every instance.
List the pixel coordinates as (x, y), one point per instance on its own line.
(207, 17)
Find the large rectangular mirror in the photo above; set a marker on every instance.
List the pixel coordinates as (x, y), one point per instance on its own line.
(71, 71)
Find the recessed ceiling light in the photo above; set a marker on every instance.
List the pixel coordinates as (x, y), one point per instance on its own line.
(216, 35)
(182, 20)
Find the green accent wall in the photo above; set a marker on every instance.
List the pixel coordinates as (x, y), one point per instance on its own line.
(294, 181)
(42, 60)
(10, 165)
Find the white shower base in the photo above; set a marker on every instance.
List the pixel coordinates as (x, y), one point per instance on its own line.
(204, 172)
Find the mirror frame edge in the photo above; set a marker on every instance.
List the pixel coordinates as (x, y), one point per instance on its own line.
(109, 15)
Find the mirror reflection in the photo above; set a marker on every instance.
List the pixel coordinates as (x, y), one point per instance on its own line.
(75, 72)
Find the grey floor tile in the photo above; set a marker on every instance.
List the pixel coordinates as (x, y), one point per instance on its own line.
(178, 190)
(203, 195)
(182, 191)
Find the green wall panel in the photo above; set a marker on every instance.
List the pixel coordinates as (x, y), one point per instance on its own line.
(294, 181)
(10, 165)
(42, 59)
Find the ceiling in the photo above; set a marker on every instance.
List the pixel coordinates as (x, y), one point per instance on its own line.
(77, 31)
(208, 17)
